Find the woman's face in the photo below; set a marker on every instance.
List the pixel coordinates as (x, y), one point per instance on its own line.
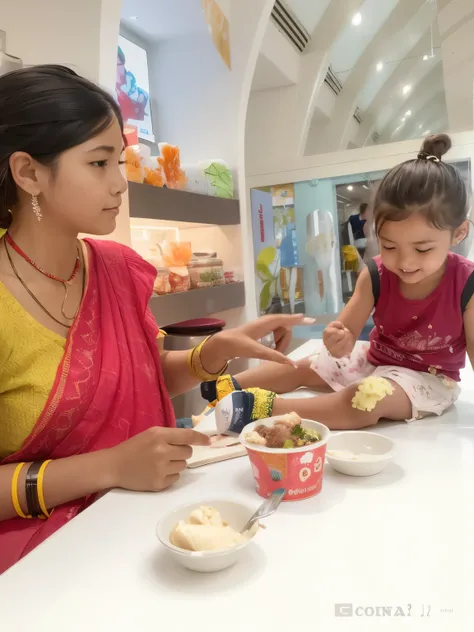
(84, 193)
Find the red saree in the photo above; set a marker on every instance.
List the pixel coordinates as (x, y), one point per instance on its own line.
(108, 388)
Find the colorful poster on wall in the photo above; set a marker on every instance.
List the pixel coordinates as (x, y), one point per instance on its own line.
(132, 87)
(218, 29)
(267, 256)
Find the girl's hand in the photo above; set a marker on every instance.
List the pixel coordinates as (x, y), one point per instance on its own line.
(338, 340)
(243, 341)
(153, 459)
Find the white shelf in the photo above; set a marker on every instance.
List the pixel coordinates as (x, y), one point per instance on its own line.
(174, 308)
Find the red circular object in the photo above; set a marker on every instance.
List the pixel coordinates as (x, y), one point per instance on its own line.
(195, 327)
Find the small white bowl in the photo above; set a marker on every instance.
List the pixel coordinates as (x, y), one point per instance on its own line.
(379, 447)
(236, 514)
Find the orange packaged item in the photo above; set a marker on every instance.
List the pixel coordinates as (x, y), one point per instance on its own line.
(177, 253)
(134, 171)
(179, 279)
(171, 165)
(154, 174)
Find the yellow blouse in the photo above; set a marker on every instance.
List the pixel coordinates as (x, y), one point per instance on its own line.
(30, 355)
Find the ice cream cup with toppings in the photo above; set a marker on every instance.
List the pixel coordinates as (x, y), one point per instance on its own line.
(298, 470)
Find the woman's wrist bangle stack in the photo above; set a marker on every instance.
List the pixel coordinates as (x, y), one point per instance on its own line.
(196, 367)
(34, 491)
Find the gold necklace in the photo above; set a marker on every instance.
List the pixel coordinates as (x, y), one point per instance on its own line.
(37, 301)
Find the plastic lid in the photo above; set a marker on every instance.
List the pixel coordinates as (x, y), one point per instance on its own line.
(198, 325)
(204, 263)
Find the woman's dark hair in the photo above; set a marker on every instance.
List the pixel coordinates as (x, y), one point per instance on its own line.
(45, 110)
(363, 207)
(425, 185)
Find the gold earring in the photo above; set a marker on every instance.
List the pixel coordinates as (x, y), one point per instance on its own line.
(36, 208)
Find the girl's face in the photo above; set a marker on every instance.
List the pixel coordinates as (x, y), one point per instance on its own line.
(414, 249)
(84, 192)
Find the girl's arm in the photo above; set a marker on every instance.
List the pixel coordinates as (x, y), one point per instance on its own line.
(241, 342)
(468, 319)
(149, 461)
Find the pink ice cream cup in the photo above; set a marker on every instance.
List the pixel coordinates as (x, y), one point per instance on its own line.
(298, 470)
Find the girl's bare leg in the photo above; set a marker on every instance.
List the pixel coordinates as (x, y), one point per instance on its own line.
(335, 409)
(281, 378)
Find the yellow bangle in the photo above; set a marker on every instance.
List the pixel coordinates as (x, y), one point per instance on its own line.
(42, 504)
(195, 365)
(15, 501)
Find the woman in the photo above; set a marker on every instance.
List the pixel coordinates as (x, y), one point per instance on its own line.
(84, 393)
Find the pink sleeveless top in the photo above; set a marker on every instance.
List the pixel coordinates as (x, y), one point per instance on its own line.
(423, 335)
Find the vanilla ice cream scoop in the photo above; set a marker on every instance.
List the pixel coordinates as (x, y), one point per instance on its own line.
(204, 530)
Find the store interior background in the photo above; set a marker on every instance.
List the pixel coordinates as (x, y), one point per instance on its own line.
(321, 95)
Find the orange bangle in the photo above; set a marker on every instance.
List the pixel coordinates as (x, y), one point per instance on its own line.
(15, 500)
(40, 491)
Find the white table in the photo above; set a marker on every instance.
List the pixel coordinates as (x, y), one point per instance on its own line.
(402, 537)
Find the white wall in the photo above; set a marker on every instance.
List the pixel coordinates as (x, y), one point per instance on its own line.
(194, 98)
(57, 31)
(200, 105)
(82, 35)
(353, 161)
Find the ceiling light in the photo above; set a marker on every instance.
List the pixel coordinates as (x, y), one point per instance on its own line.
(407, 89)
(404, 119)
(425, 57)
(364, 186)
(428, 131)
(379, 66)
(420, 125)
(356, 19)
(350, 188)
(408, 113)
(133, 17)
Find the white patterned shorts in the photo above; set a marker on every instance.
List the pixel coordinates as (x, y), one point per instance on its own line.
(428, 394)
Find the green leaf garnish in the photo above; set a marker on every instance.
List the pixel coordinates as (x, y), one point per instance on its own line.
(288, 444)
(298, 431)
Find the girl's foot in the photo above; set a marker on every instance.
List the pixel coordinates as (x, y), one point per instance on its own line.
(240, 408)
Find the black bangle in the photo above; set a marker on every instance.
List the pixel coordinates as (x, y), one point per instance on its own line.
(31, 489)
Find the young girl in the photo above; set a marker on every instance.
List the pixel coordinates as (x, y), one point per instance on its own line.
(84, 391)
(420, 295)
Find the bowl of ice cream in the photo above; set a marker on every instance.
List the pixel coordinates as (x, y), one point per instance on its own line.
(359, 453)
(205, 536)
(287, 452)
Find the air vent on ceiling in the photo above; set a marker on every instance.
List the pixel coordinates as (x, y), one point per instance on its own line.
(289, 26)
(358, 115)
(332, 81)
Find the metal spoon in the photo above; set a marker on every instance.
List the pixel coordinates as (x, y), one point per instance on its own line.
(267, 508)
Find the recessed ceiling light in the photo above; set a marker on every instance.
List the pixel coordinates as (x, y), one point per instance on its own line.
(420, 125)
(364, 186)
(404, 119)
(408, 113)
(350, 188)
(407, 89)
(425, 57)
(133, 17)
(357, 19)
(379, 66)
(428, 131)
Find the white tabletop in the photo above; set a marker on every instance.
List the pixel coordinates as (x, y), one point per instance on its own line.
(402, 538)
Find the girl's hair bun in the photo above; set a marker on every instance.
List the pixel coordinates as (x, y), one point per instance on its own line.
(436, 145)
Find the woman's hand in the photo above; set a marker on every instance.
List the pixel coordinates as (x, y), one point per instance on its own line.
(338, 340)
(243, 341)
(153, 459)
